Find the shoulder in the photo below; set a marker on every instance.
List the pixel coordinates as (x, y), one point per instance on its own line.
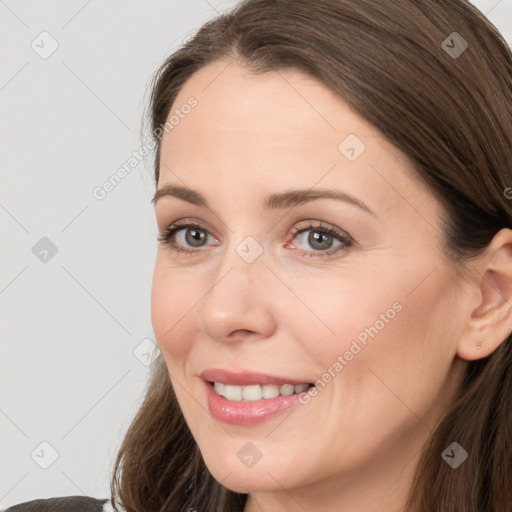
(64, 504)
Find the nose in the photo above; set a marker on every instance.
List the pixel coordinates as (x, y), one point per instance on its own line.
(239, 303)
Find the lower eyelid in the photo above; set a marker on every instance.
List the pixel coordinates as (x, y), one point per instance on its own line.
(343, 245)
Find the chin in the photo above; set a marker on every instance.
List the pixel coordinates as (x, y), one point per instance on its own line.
(261, 477)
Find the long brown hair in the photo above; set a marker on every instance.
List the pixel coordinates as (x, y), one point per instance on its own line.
(393, 61)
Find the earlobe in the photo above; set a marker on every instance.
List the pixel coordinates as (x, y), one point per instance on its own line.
(490, 323)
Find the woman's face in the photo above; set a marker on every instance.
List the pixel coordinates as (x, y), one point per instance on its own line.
(367, 310)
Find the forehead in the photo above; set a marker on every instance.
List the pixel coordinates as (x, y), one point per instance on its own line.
(252, 131)
(284, 103)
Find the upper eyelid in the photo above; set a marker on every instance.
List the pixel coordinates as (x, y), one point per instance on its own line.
(311, 224)
(301, 226)
(304, 224)
(186, 223)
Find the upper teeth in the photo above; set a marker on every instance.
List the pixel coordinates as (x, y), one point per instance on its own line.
(257, 392)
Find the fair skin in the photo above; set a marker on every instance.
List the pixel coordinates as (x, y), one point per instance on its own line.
(356, 444)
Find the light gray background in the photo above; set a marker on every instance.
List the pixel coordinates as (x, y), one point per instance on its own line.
(74, 329)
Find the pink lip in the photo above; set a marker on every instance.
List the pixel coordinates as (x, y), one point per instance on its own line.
(246, 413)
(246, 378)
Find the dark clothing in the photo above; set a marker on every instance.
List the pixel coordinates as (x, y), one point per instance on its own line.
(61, 504)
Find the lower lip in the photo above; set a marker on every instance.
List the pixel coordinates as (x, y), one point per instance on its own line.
(250, 412)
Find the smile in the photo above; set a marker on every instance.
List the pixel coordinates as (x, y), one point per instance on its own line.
(256, 392)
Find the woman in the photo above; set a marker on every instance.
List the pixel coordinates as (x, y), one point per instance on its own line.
(333, 285)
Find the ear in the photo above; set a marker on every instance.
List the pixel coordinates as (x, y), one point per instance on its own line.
(490, 322)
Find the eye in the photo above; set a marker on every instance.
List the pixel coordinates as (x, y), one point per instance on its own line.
(189, 237)
(187, 233)
(322, 239)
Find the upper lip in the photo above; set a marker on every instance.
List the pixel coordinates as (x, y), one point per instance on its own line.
(246, 378)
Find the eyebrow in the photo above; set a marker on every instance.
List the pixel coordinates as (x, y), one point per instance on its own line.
(280, 200)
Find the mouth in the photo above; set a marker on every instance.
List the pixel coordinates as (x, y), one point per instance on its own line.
(249, 398)
(255, 392)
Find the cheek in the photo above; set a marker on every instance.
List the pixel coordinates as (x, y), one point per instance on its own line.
(408, 338)
(406, 333)
(171, 301)
(338, 313)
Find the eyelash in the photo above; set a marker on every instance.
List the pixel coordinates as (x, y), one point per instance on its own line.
(346, 241)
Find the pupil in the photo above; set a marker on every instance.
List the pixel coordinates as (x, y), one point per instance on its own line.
(316, 237)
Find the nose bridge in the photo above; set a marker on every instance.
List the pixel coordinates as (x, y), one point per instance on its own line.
(242, 270)
(238, 299)
(244, 254)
